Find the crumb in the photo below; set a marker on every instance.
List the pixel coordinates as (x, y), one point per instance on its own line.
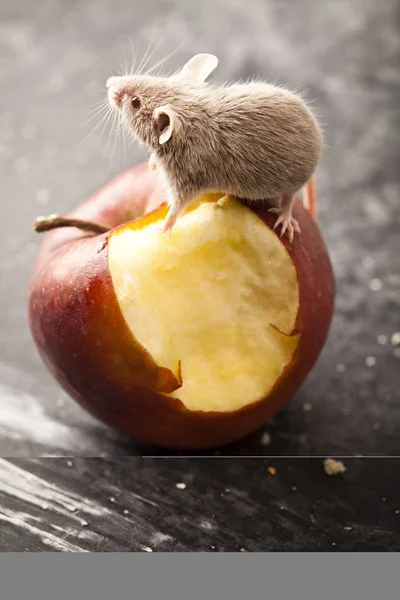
(84, 523)
(340, 368)
(147, 549)
(397, 512)
(307, 406)
(265, 439)
(69, 463)
(180, 486)
(395, 339)
(333, 543)
(333, 467)
(272, 470)
(370, 361)
(242, 550)
(347, 528)
(382, 340)
(126, 511)
(294, 489)
(375, 285)
(45, 506)
(112, 499)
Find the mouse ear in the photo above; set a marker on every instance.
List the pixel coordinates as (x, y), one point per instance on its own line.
(167, 122)
(199, 67)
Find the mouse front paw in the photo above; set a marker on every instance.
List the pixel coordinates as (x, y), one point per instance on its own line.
(287, 222)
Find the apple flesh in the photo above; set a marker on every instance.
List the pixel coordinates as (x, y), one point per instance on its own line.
(189, 341)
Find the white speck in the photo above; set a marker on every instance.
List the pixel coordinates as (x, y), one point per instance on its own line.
(382, 340)
(147, 549)
(69, 463)
(341, 368)
(28, 132)
(158, 538)
(333, 543)
(126, 511)
(242, 550)
(333, 467)
(294, 488)
(45, 506)
(375, 285)
(50, 149)
(84, 523)
(265, 439)
(376, 426)
(22, 164)
(180, 486)
(347, 528)
(204, 524)
(370, 361)
(367, 262)
(212, 547)
(43, 196)
(72, 508)
(227, 490)
(112, 499)
(307, 406)
(397, 512)
(396, 352)
(395, 339)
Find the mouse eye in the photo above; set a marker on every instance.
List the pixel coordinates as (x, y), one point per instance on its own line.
(135, 102)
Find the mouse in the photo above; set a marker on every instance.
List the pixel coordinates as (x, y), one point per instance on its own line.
(255, 141)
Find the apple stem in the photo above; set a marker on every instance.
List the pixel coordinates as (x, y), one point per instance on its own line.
(54, 221)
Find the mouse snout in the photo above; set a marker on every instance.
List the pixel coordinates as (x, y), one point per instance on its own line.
(116, 91)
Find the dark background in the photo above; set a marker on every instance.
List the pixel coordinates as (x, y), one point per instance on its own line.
(55, 57)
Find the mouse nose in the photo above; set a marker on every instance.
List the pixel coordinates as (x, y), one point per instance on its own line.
(112, 82)
(116, 91)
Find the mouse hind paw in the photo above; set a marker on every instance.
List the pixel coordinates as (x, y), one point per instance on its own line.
(285, 220)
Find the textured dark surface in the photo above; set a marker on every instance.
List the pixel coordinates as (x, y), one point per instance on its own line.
(54, 59)
(133, 504)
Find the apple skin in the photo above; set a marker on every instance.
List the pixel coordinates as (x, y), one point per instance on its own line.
(82, 337)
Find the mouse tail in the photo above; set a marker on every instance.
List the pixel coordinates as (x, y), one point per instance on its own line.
(309, 197)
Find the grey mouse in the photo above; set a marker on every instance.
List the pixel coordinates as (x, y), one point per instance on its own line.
(254, 141)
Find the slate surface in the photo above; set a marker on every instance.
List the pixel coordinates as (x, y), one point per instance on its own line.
(134, 504)
(54, 59)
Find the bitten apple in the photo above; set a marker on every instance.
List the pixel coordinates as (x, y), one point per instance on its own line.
(186, 341)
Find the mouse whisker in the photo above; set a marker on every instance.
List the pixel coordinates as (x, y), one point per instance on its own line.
(161, 62)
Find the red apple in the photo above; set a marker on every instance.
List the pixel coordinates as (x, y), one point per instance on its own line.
(189, 341)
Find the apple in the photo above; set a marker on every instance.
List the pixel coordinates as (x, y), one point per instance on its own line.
(186, 341)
